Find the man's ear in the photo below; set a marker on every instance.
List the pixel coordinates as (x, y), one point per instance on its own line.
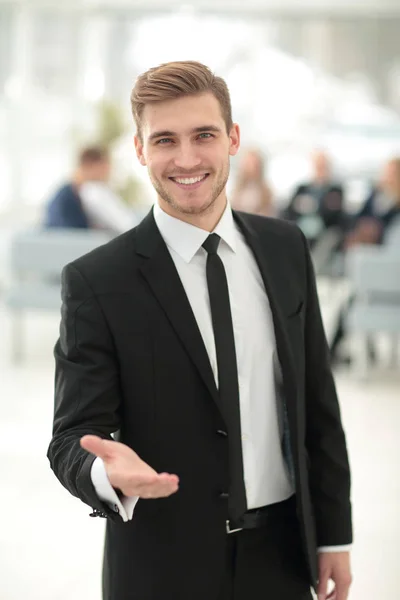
(139, 151)
(234, 139)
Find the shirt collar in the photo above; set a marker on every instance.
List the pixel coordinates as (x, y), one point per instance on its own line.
(186, 239)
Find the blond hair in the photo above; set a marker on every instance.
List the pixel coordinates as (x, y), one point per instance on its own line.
(175, 80)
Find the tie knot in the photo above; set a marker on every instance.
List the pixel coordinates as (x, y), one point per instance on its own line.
(211, 244)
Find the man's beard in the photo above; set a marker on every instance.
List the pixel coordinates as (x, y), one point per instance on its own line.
(207, 205)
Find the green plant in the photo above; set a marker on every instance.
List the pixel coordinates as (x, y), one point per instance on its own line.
(110, 123)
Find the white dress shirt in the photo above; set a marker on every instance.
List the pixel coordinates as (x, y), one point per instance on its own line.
(105, 209)
(265, 472)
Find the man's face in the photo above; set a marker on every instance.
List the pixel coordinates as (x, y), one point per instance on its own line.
(186, 149)
(321, 167)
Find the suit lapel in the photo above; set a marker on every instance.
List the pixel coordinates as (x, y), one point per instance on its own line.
(161, 275)
(265, 252)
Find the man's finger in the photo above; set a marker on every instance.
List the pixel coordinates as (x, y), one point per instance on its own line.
(96, 445)
(167, 478)
(154, 484)
(163, 493)
(144, 481)
(342, 590)
(323, 586)
(160, 487)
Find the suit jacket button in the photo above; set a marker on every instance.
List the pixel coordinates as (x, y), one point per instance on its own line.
(222, 433)
(224, 496)
(98, 513)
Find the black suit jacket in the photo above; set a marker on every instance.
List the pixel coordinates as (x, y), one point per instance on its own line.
(130, 359)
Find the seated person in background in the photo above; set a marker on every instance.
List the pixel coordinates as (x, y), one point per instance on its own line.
(379, 212)
(87, 202)
(317, 205)
(252, 194)
(380, 209)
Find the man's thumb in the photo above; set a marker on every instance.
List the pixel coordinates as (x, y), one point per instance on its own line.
(98, 446)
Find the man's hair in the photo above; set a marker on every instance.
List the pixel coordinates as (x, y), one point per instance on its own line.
(92, 154)
(175, 80)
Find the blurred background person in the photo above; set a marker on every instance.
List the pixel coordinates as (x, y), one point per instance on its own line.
(252, 193)
(317, 205)
(380, 210)
(87, 201)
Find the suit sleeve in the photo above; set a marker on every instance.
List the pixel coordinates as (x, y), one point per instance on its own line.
(125, 504)
(87, 389)
(329, 472)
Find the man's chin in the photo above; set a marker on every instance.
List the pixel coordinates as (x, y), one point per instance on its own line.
(192, 208)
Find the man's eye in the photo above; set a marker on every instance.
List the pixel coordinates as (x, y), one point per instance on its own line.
(205, 136)
(164, 141)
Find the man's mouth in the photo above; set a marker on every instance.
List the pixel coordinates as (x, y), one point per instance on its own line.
(189, 182)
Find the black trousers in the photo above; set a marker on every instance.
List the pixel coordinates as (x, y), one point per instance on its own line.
(267, 563)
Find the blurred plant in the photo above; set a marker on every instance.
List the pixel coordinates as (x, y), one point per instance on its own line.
(130, 190)
(109, 128)
(110, 123)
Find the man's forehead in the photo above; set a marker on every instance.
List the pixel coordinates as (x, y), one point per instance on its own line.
(182, 115)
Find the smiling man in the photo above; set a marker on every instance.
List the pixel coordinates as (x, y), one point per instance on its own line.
(195, 408)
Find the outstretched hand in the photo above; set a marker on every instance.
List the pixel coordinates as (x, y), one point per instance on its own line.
(127, 472)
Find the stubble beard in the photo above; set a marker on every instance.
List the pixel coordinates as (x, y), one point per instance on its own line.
(206, 207)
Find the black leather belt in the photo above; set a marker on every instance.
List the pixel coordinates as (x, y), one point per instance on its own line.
(260, 517)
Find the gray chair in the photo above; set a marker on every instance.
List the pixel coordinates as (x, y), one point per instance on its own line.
(326, 258)
(374, 274)
(392, 236)
(37, 258)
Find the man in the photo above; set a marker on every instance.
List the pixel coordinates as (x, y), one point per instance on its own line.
(318, 205)
(197, 339)
(87, 202)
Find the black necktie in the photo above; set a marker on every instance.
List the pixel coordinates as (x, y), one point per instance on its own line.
(227, 372)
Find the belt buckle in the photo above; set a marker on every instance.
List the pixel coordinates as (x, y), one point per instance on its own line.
(229, 530)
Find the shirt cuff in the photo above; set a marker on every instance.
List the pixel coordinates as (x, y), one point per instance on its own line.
(124, 505)
(345, 548)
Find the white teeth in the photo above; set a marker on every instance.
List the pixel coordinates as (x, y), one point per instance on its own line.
(189, 180)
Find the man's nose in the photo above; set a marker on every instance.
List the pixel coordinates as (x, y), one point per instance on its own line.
(187, 157)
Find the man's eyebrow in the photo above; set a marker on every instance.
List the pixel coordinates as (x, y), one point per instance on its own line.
(205, 128)
(202, 129)
(158, 134)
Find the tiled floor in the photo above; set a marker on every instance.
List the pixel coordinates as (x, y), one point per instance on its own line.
(51, 550)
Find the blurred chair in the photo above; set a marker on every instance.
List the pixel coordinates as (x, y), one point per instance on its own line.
(374, 274)
(325, 255)
(37, 258)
